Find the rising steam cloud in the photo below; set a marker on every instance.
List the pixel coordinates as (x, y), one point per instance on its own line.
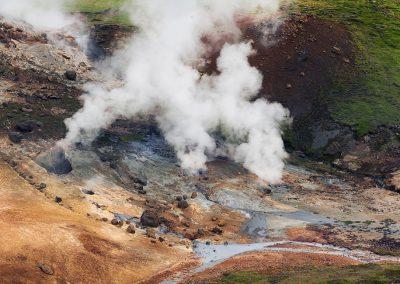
(41, 14)
(161, 70)
(162, 78)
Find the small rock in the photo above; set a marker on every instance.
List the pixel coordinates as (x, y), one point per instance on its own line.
(302, 74)
(150, 219)
(58, 199)
(70, 75)
(200, 233)
(183, 204)
(25, 126)
(217, 230)
(15, 137)
(288, 86)
(346, 60)
(117, 222)
(41, 186)
(336, 50)
(179, 198)
(184, 197)
(194, 195)
(142, 191)
(151, 233)
(131, 229)
(25, 109)
(214, 218)
(45, 268)
(161, 239)
(88, 192)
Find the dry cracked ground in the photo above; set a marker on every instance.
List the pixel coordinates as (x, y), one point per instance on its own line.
(127, 213)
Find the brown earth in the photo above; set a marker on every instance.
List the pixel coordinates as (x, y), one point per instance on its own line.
(299, 60)
(268, 263)
(77, 249)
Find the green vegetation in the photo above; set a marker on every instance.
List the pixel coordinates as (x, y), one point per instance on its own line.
(101, 11)
(371, 97)
(366, 273)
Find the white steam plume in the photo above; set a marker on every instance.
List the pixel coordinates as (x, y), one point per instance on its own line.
(41, 14)
(47, 16)
(162, 78)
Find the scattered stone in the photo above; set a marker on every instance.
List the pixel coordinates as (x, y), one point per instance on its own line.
(302, 74)
(58, 199)
(70, 75)
(150, 219)
(25, 109)
(45, 268)
(55, 161)
(179, 198)
(41, 186)
(88, 192)
(15, 137)
(25, 126)
(190, 236)
(217, 230)
(151, 233)
(117, 222)
(194, 195)
(288, 86)
(161, 239)
(336, 50)
(184, 197)
(183, 204)
(346, 60)
(131, 229)
(200, 233)
(142, 191)
(214, 218)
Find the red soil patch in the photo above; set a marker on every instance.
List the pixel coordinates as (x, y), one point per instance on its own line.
(269, 263)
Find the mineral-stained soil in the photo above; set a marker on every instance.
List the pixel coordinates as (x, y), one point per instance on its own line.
(73, 227)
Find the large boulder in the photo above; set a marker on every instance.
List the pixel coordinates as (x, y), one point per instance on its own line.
(55, 161)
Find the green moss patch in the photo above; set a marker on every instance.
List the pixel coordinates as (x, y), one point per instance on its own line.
(371, 96)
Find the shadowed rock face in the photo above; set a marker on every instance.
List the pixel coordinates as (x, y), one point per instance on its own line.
(54, 161)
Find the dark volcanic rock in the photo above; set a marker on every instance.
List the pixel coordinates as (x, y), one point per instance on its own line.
(88, 192)
(25, 126)
(55, 161)
(15, 137)
(150, 219)
(183, 204)
(70, 75)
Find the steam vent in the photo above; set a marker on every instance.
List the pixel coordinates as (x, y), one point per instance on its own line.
(55, 161)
